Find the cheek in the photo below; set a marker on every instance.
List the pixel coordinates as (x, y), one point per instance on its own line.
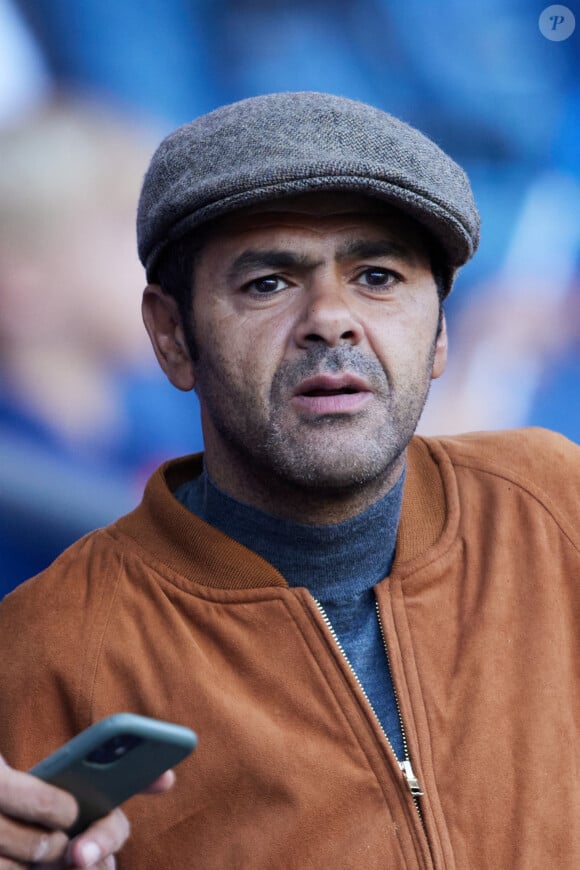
(404, 344)
(255, 345)
(237, 359)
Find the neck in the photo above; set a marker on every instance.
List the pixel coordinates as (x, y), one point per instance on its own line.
(333, 560)
(312, 505)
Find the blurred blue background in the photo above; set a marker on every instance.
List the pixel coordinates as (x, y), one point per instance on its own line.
(87, 89)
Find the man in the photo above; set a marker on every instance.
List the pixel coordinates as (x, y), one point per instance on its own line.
(373, 634)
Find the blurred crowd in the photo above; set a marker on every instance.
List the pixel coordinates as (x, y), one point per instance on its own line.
(88, 88)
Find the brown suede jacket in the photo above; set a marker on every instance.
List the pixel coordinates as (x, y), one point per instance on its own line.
(165, 616)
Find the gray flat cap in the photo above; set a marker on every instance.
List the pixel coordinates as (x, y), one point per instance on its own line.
(276, 145)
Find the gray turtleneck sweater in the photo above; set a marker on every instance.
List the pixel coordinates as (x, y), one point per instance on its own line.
(338, 564)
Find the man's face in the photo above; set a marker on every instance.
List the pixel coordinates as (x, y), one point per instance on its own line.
(316, 332)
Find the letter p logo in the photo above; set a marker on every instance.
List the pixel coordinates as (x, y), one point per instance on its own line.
(557, 23)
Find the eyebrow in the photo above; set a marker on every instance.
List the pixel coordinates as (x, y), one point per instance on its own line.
(356, 249)
(366, 249)
(269, 259)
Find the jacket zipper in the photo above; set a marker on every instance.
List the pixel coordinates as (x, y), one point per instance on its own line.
(405, 765)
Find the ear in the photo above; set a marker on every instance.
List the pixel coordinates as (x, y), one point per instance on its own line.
(163, 324)
(441, 346)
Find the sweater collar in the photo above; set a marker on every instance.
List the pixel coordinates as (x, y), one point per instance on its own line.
(334, 561)
(192, 548)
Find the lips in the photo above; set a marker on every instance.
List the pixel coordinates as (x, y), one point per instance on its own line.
(332, 394)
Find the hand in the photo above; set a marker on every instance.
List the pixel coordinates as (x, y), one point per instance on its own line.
(34, 817)
(103, 839)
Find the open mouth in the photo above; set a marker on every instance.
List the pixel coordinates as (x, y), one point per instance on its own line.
(339, 391)
(332, 394)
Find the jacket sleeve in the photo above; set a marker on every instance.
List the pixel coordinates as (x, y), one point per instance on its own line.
(541, 462)
(48, 631)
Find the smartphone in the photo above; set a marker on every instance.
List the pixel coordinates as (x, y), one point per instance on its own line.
(112, 760)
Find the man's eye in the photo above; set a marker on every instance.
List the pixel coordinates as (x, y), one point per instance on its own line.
(267, 284)
(377, 277)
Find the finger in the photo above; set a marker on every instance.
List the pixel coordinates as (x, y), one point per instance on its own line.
(28, 843)
(162, 784)
(101, 840)
(25, 797)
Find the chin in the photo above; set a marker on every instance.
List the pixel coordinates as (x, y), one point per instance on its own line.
(345, 473)
(326, 458)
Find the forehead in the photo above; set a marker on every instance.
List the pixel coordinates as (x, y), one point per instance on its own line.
(322, 215)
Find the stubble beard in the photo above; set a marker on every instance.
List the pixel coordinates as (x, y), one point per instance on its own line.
(333, 453)
(343, 452)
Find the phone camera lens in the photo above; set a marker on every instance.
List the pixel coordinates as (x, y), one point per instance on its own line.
(113, 749)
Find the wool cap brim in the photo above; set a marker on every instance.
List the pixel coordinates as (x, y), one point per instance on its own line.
(276, 145)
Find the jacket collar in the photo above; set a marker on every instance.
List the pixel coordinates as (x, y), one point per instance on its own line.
(191, 548)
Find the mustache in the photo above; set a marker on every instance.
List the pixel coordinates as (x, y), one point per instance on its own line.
(328, 360)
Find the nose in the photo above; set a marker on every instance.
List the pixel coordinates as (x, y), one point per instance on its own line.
(327, 316)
